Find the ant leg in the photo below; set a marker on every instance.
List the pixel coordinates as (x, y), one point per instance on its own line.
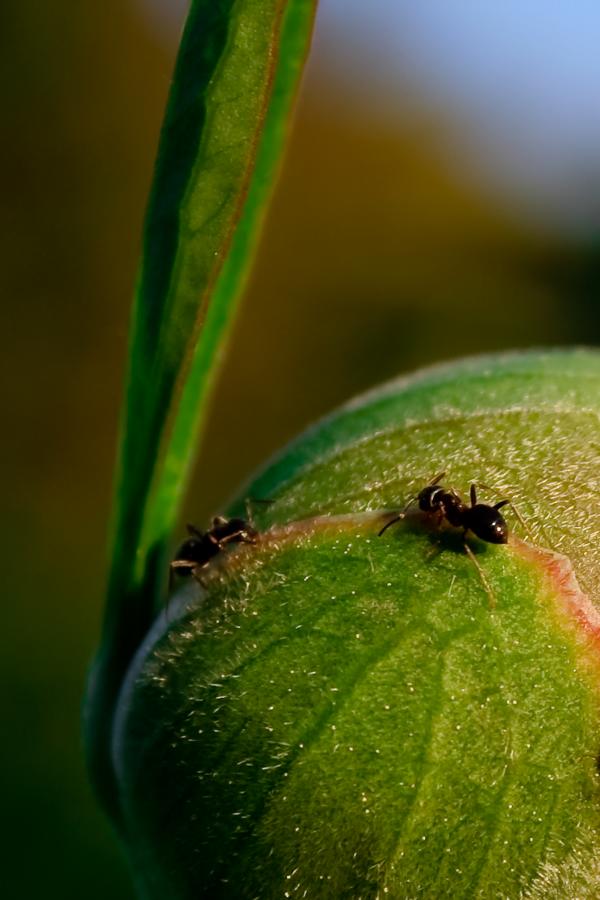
(187, 564)
(193, 531)
(520, 518)
(473, 495)
(391, 522)
(399, 517)
(412, 500)
(484, 581)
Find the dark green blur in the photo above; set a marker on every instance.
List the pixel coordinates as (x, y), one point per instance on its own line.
(376, 258)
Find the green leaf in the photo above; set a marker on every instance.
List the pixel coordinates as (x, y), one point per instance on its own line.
(235, 78)
(338, 714)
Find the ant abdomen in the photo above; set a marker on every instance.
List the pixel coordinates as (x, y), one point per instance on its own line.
(486, 523)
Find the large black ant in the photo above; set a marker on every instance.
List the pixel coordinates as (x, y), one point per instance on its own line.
(197, 551)
(484, 521)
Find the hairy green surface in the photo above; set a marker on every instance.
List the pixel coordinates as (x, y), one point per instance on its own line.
(527, 425)
(235, 78)
(345, 715)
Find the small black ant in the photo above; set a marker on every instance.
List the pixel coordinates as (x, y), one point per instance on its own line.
(197, 551)
(484, 521)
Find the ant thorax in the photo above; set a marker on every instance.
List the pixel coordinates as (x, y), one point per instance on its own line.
(434, 499)
(454, 509)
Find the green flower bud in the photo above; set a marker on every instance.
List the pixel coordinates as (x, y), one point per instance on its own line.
(337, 713)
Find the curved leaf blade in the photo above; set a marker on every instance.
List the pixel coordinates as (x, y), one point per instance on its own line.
(235, 80)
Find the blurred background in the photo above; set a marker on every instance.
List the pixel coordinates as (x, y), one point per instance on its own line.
(440, 196)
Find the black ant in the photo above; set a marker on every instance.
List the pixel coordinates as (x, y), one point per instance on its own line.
(197, 551)
(485, 522)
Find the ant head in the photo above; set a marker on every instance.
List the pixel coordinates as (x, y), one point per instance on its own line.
(488, 524)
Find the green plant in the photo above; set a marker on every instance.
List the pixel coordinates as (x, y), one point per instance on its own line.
(333, 713)
(235, 80)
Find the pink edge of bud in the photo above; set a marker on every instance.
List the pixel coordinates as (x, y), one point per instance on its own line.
(559, 574)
